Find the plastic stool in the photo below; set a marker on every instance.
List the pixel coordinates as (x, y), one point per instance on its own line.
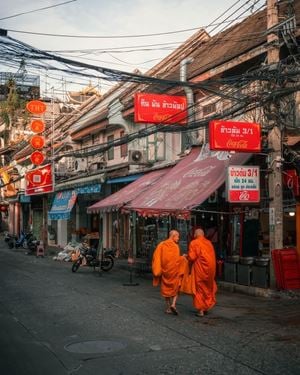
(40, 251)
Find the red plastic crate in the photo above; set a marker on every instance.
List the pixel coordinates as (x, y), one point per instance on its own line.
(277, 268)
(286, 268)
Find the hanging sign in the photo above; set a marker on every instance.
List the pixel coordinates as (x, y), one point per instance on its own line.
(36, 107)
(234, 136)
(37, 158)
(37, 141)
(39, 181)
(242, 184)
(37, 126)
(165, 109)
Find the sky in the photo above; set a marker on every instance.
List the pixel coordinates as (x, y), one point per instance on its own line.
(112, 18)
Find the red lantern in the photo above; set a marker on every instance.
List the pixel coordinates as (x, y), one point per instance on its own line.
(37, 141)
(3, 208)
(37, 157)
(37, 126)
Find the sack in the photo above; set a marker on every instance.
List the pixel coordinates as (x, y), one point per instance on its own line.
(188, 282)
(156, 261)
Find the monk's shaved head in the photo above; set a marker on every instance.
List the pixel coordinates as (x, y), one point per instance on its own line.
(174, 235)
(199, 233)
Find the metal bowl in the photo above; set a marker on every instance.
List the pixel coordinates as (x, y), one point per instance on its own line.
(233, 258)
(247, 260)
(262, 261)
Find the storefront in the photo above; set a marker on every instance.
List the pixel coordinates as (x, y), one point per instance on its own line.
(67, 217)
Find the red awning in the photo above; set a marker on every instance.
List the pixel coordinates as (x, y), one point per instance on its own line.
(187, 185)
(129, 192)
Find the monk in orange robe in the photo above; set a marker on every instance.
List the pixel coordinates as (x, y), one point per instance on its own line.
(167, 269)
(202, 254)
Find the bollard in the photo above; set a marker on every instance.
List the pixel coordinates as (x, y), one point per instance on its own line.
(130, 262)
(40, 251)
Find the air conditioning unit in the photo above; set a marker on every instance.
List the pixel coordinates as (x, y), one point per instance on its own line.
(137, 157)
(80, 165)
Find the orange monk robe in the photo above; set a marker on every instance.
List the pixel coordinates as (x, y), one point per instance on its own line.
(202, 254)
(167, 268)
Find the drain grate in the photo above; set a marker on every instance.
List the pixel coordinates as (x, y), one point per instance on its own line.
(95, 346)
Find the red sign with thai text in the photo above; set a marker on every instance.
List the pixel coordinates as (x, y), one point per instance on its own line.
(37, 158)
(39, 181)
(160, 109)
(234, 136)
(36, 107)
(242, 184)
(37, 126)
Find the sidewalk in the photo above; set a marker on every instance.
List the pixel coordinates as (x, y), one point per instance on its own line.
(234, 288)
(222, 285)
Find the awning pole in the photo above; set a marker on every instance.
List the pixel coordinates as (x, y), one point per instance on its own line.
(134, 250)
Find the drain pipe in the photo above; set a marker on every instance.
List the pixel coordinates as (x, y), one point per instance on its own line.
(190, 136)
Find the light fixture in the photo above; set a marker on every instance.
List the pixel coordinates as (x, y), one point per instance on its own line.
(290, 211)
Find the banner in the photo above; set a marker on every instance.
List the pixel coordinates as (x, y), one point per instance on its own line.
(165, 109)
(39, 181)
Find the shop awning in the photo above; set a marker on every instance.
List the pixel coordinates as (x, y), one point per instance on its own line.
(187, 185)
(123, 179)
(62, 205)
(92, 181)
(129, 192)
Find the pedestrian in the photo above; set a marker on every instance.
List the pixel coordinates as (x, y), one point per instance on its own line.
(167, 269)
(202, 255)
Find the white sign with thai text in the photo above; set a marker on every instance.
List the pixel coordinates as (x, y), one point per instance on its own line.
(243, 184)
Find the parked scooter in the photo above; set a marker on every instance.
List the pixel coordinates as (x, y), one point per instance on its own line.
(32, 246)
(10, 240)
(23, 240)
(89, 254)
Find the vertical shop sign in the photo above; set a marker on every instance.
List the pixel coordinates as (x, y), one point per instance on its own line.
(242, 184)
(39, 181)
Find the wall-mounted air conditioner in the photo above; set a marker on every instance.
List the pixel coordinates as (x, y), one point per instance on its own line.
(137, 157)
(80, 165)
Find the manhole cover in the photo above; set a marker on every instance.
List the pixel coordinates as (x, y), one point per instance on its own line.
(95, 346)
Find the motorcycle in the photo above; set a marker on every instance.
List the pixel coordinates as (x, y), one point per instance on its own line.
(23, 240)
(32, 246)
(89, 254)
(10, 240)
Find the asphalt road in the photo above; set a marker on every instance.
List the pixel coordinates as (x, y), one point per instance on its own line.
(54, 322)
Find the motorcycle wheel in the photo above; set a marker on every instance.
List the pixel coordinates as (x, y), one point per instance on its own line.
(75, 265)
(107, 263)
(25, 244)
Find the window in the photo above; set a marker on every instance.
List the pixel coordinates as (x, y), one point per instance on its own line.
(124, 147)
(110, 152)
(208, 109)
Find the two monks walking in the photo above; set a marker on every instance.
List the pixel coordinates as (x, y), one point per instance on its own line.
(171, 271)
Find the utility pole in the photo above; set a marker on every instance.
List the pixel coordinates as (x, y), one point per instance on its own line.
(275, 140)
(188, 138)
